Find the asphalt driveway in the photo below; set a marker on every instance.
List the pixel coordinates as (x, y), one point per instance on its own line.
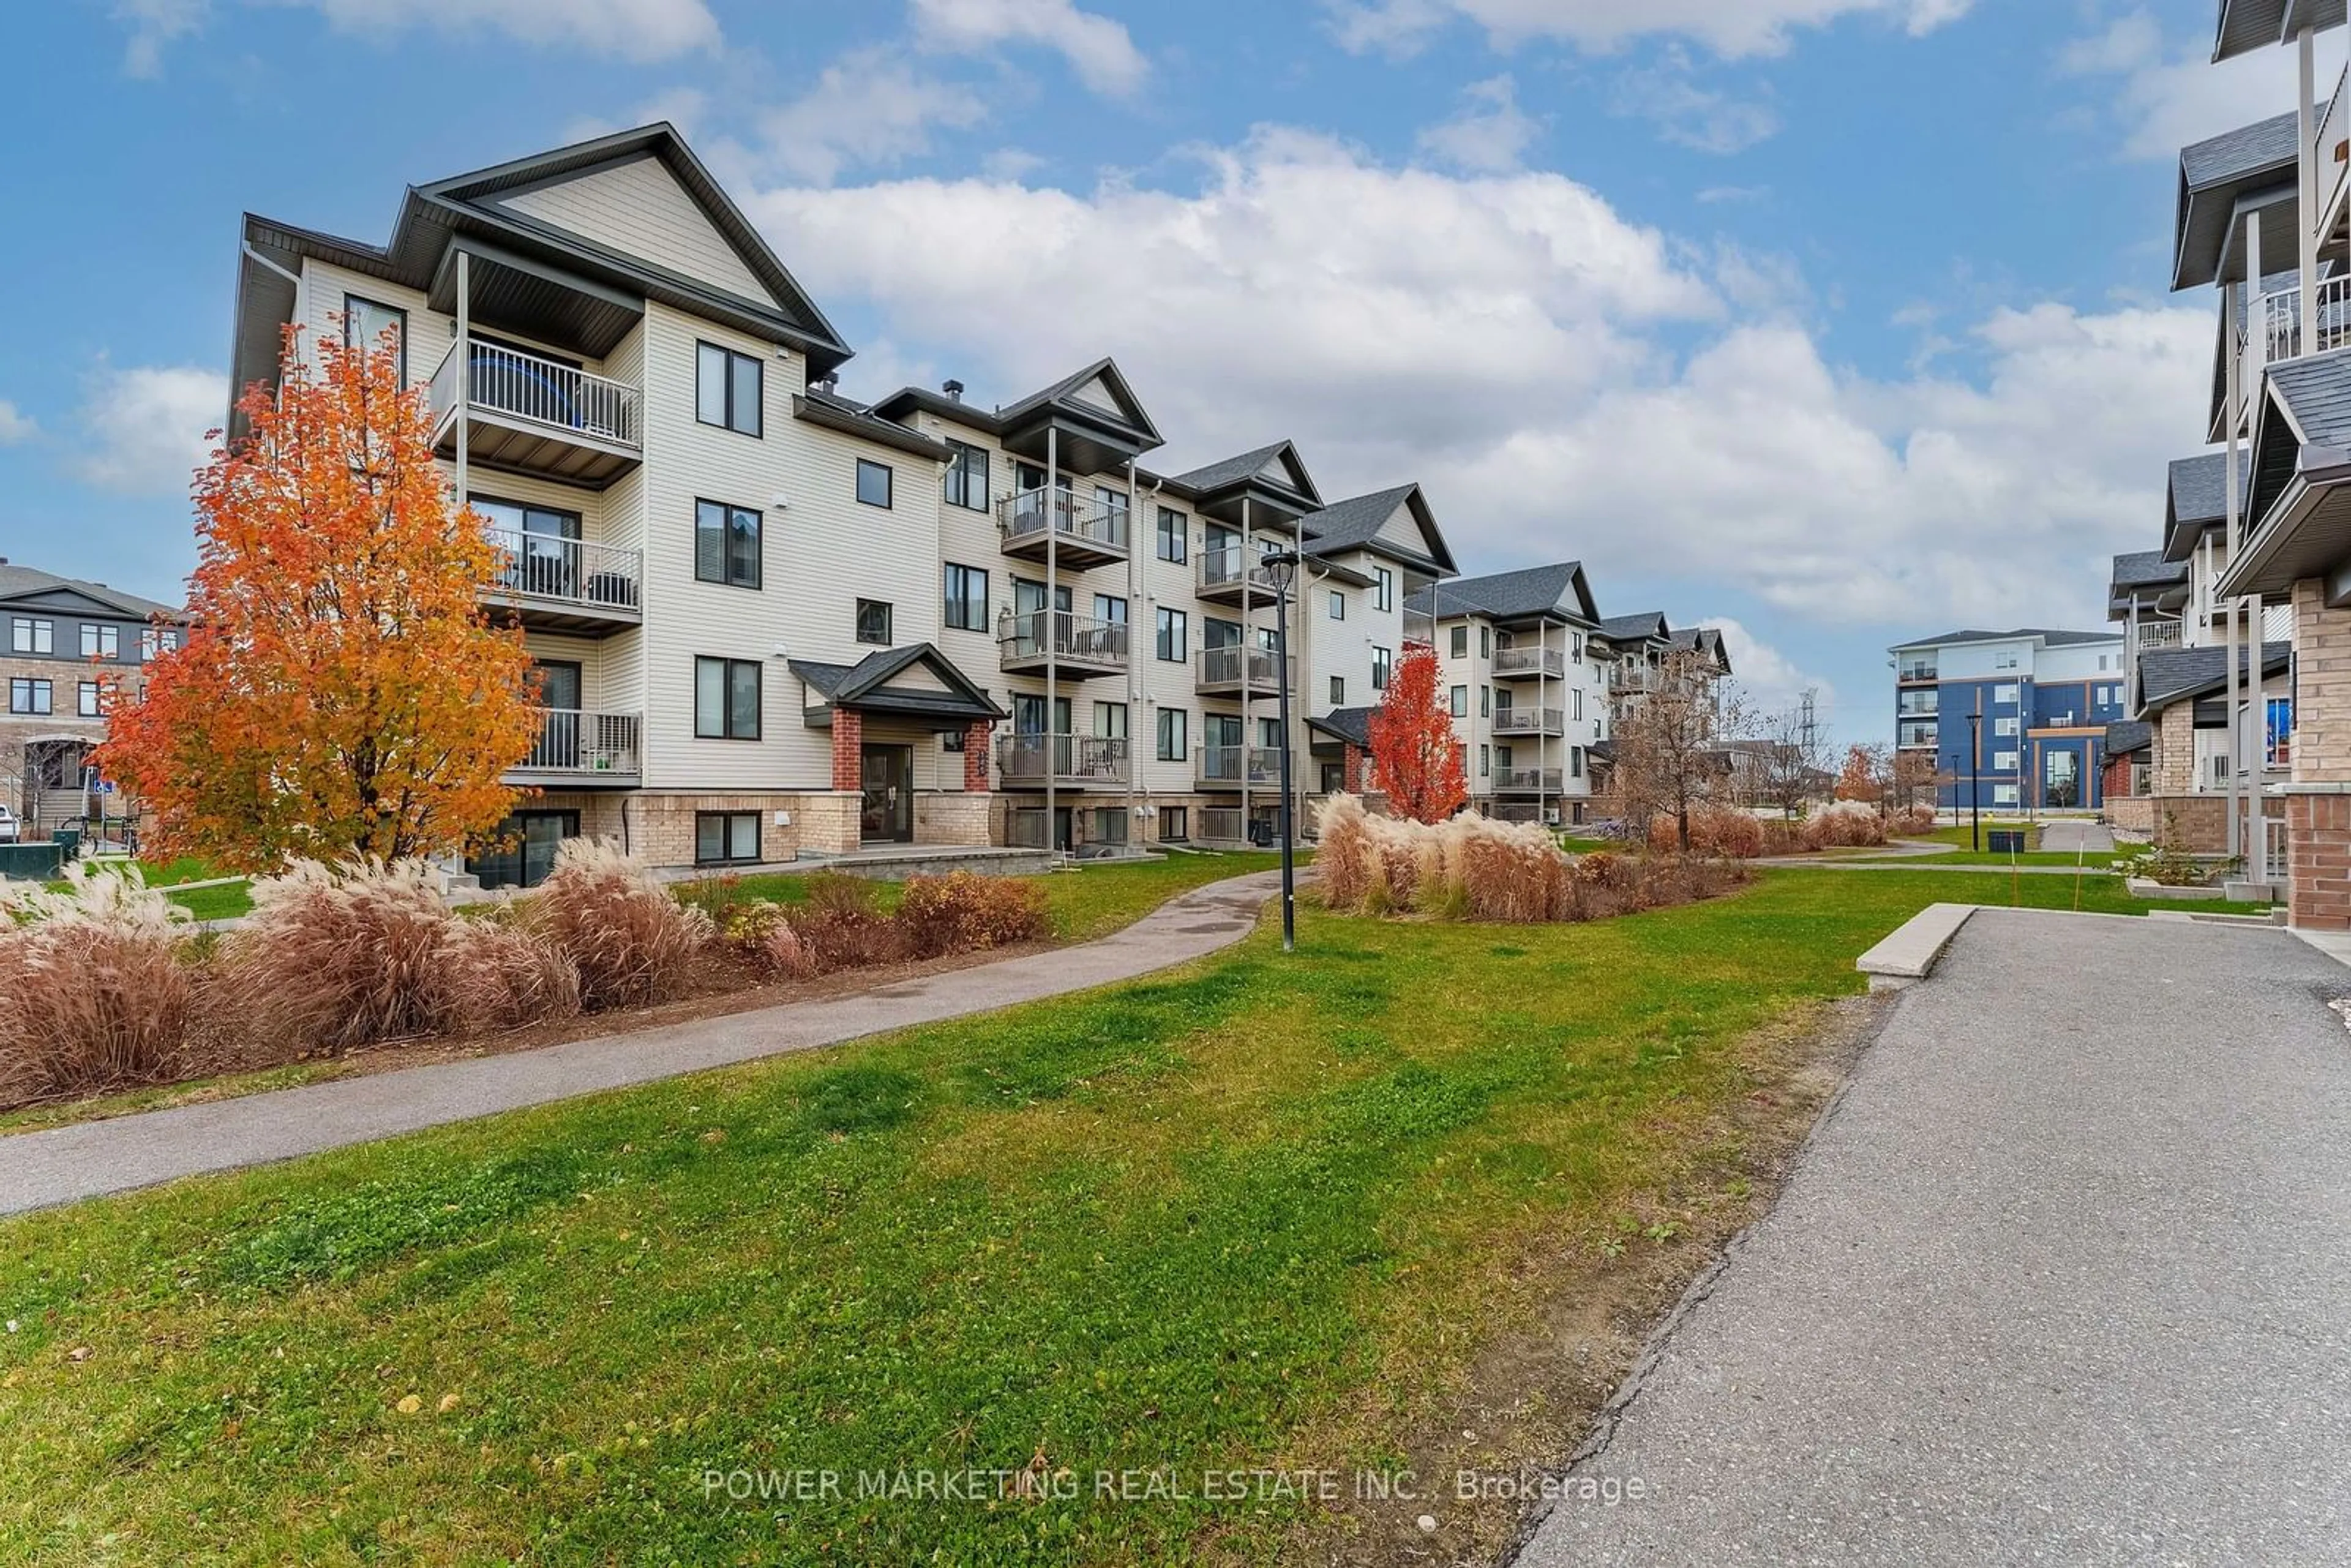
(2064, 1278)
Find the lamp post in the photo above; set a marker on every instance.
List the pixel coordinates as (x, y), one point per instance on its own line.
(1281, 566)
(1975, 781)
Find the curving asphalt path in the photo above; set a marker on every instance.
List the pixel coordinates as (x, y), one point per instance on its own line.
(65, 1164)
(2060, 1279)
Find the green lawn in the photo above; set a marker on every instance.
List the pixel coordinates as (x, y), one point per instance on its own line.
(1247, 1213)
(204, 903)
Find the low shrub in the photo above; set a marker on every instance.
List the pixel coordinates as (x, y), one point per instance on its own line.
(93, 992)
(629, 939)
(1719, 830)
(842, 925)
(1911, 820)
(344, 956)
(1844, 824)
(961, 913)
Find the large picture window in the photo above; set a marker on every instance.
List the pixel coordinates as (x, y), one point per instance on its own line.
(726, 546)
(726, 388)
(727, 699)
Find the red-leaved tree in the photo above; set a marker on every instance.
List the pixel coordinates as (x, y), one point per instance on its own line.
(339, 692)
(1415, 760)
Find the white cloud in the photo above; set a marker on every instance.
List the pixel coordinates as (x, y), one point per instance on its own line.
(147, 427)
(867, 107)
(1691, 115)
(1099, 50)
(1770, 678)
(1489, 134)
(1727, 27)
(2169, 97)
(627, 29)
(15, 425)
(1568, 383)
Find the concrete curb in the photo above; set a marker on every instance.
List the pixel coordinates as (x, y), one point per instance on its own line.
(1909, 955)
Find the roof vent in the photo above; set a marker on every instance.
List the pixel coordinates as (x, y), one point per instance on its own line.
(954, 389)
(827, 382)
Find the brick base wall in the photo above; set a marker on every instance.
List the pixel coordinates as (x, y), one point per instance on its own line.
(2318, 862)
(965, 819)
(2131, 813)
(2198, 824)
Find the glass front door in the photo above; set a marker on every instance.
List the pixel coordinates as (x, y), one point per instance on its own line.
(889, 783)
(2064, 779)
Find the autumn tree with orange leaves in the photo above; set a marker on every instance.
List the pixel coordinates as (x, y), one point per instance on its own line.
(1415, 761)
(338, 691)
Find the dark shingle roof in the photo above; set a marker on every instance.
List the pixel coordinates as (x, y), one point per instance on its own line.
(2200, 488)
(1352, 724)
(1633, 628)
(2053, 638)
(1702, 639)
(2234, 154)
(2126, 736)
(2147, 568)
(1217, 475)
(1355, 523)
(15, 580)
(2168, 675)
(2317, 391)
(864, 685)
(1533, 590)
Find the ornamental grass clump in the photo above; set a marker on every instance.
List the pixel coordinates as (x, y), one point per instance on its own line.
(338, 956)
(629, 940)
(1844, 824)
(94, 991)
(962, 913)
(1465, 868)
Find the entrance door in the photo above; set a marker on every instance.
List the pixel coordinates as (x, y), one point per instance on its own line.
(889, 779)
(526, 852)
(2064, 779)
(558, 693)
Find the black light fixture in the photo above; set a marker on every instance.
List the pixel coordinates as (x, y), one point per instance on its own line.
(1282, 571)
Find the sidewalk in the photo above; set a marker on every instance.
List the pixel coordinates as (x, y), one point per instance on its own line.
(68, 1164)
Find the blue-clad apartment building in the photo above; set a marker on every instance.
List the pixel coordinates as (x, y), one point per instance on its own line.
(2041, 698)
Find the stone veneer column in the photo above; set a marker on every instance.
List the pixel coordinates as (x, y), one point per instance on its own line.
(1356, 767)
(848, 749)
(2318, 801)
(977, 735)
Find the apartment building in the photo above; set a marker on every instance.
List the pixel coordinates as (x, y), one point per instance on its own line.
(2260, 219)
(67, 640)
(772, 620)
(2014, 720)
(1520, 665)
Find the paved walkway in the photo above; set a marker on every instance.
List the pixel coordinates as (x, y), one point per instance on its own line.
(2060, 1278)
(2067, 836)
(61, 1165)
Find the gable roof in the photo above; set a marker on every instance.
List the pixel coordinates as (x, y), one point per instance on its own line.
(1098, 391)
(26, 581)
(2249, 25)
(2221, 179)
(1355, 523)
(594, 288)
(1511, 595)
(2302, 423)
(2166, 676)
(2046, 636)
(2126, 736)
(2196, 498)
(1645, 625)
(1706, 640)
(1352, 724)
(865, 686)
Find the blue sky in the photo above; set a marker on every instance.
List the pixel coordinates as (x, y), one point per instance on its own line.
(1840, 321)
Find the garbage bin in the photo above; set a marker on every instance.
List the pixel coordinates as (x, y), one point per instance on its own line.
(1260, 833)
(69, 842)
(2007, 842)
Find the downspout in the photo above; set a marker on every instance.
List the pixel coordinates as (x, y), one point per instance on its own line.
(1048, 615)
(1134, 516)
(1248, 654)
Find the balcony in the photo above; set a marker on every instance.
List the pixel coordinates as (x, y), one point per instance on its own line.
(1626, 679)
(1530, 721)
(2279, 317)
(1530, 663)
(2333, 166)
(1237, 671)
(1529, 781)
(1080, 533)
(555, 584)
(1916, 673)
(533, 415)
(1917, 703)
(1221, 825)
(1522, 811)
(578, 748)
(1075, 762)
(1234, 767)
(1229, 572)
(1073, 645)
(1915, 736)
(2158, 634)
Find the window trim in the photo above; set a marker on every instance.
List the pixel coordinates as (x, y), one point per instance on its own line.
(1174, 527)
(1181, 731)
(728, 513)
(727, 667)
(34, 686)
(958, 468)
(1177, 625)
(727, 837)
(975, 611)
(888, 503)
(889, 622)
(33, 634)
(760, 392)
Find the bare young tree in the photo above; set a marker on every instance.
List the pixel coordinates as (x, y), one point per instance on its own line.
(1669, 742)
(1910, 773)
(1791, 759)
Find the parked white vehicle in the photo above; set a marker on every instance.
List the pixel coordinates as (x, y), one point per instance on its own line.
(10, 831)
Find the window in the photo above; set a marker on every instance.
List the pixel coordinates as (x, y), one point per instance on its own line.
(1485, 642)
(1175, 824)
(727, 699)
(1383, 589)
(2004, 726)
(1461, 702)
(1461, 642)
(150, 645)
(2003, 794)
(1485, 702)
(1338, 691)
(2004, 693)
(100, 641)
(967, 598)
(872, 483)
(1110, 824)
(28, 695)
(1110, 608)
(2004, 761)
(966, 477)
(1575, 762)
(1175, 741)
(33, 636)
(1338, 605)
(1383, 660)
(1171, 540)
(365, 322)
(721, 838)
(1485, 762)
(1110, 721)
(873, 623)
(2006, 660)
(727, 389)
(1578, 710)
(953, 740)
(1112, 507)
(86, 700)
(726, 544)
(1576, 647)
(1173, 637)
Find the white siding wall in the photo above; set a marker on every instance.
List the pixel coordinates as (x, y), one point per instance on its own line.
(639, 209)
